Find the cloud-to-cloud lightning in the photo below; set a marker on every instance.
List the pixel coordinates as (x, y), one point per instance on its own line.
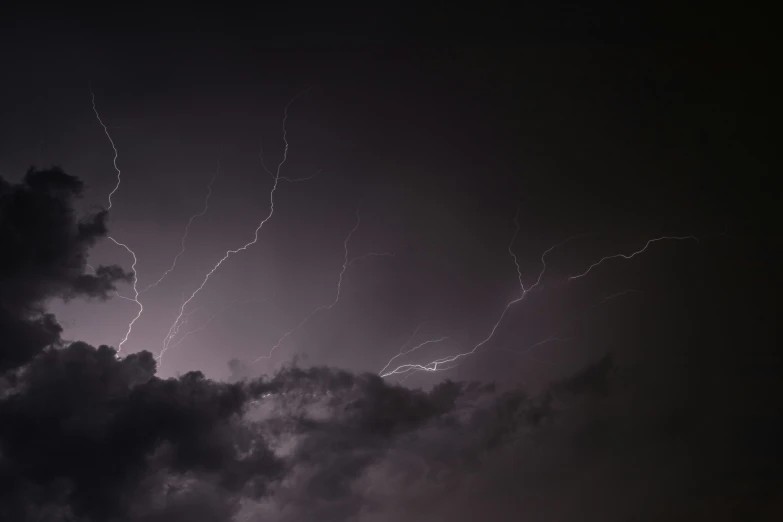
(174, 327)
(404, 352)
(187, 230)
(346, 263)
(438, 364)
(630, 256)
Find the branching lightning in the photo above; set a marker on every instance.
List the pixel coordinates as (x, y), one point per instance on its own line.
(176, 334)
(135, 298)
(187, 230)
(404, 352)
(174, 327)
(346, 263)
(438, 364)
(630, 256)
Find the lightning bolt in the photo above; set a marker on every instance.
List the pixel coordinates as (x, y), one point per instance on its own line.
(402, 348)
(113, 146)
(411, 373)
(187, 230)
(283, 178)
(631, 256)
(135, 299)
(523, 290)
(346, 263)
(437, 365)
(172, 331)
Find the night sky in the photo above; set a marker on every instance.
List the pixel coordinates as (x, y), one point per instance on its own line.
(427, 168)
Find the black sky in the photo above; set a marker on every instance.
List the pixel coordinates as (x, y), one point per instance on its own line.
(438, 124)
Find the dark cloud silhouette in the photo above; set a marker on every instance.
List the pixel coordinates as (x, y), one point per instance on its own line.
(43, 249)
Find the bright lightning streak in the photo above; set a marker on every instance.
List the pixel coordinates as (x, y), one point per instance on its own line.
(187, 229)
(434, 366)
(543, 262)
(411, 373)
(346, 263)
(543, 256)
(172, 331)
(402, 348)
(113, 146)
(630, 256)
(135, 299)
(437, 364)
(135, 291)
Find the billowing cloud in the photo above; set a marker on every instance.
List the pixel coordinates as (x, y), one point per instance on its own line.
(43, 251)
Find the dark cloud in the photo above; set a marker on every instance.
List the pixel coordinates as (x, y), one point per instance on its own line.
(106, 439)
(43, 251)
